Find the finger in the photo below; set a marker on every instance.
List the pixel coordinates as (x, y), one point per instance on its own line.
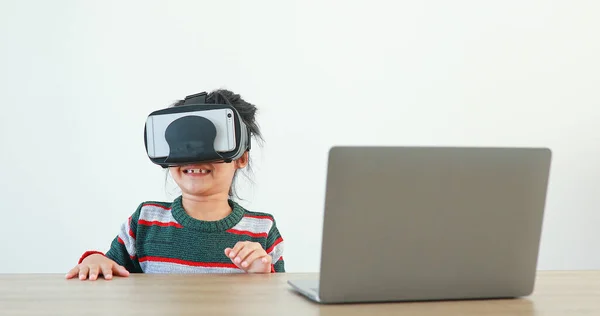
(267, 259)
(120, 270)
(94, 270)
(227, 251)
(256, 254)
(236, 249)
(72, 273)
(245, 252)
(106, 271)
(83, 272)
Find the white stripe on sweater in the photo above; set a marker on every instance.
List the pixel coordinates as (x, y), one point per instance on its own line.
(127, 239)
(254, 225)
(168, 267)
(277, 252)
(153, 213)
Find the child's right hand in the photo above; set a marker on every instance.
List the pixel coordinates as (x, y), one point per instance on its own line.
(97, 264)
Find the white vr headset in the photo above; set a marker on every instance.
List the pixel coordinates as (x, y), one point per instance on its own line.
(196, 132)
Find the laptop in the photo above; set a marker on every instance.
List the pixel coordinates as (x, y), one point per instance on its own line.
(430, 223)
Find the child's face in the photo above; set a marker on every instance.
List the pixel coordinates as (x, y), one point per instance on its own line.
(207, 179)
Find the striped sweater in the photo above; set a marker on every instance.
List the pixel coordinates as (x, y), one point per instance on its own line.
(160, 237)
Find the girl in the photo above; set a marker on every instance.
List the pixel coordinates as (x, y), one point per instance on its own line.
(201, 231)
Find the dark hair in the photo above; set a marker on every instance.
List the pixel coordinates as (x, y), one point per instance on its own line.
(247, 113)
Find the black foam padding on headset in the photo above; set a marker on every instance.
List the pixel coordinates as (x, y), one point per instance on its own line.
(191, 136)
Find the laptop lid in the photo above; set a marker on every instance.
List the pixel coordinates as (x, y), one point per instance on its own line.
(430, 223)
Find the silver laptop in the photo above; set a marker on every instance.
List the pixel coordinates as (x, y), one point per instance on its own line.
(430, 223)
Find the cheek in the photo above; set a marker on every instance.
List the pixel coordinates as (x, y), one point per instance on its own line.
(225, 171)
(174, 173)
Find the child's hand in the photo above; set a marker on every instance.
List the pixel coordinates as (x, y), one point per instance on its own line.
(250, 257)
(95, 265)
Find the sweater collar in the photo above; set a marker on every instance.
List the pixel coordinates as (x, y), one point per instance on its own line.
(181, 216)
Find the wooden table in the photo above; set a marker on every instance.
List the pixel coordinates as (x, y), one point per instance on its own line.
(557, 293)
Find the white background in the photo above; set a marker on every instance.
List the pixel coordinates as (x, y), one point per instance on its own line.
(78, 78)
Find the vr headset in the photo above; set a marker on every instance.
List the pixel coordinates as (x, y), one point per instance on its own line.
(196, 132)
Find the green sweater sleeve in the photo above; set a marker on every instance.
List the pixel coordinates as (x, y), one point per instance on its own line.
(123, 247)
(275, 249)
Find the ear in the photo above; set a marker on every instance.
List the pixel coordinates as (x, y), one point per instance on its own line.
(242, 162)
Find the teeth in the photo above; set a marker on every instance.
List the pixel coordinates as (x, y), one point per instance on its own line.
(195, 171)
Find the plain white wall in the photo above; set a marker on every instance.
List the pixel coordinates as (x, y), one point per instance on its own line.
(78, 78)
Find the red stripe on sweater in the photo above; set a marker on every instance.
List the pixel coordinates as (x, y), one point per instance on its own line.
(131, 231)
(259, 216)
(159, 206)
(245, 232)
(277, 242)
(189, 263)
(157, 223)
(120, 240)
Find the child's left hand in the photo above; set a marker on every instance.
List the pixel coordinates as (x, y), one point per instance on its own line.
(250, 257)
